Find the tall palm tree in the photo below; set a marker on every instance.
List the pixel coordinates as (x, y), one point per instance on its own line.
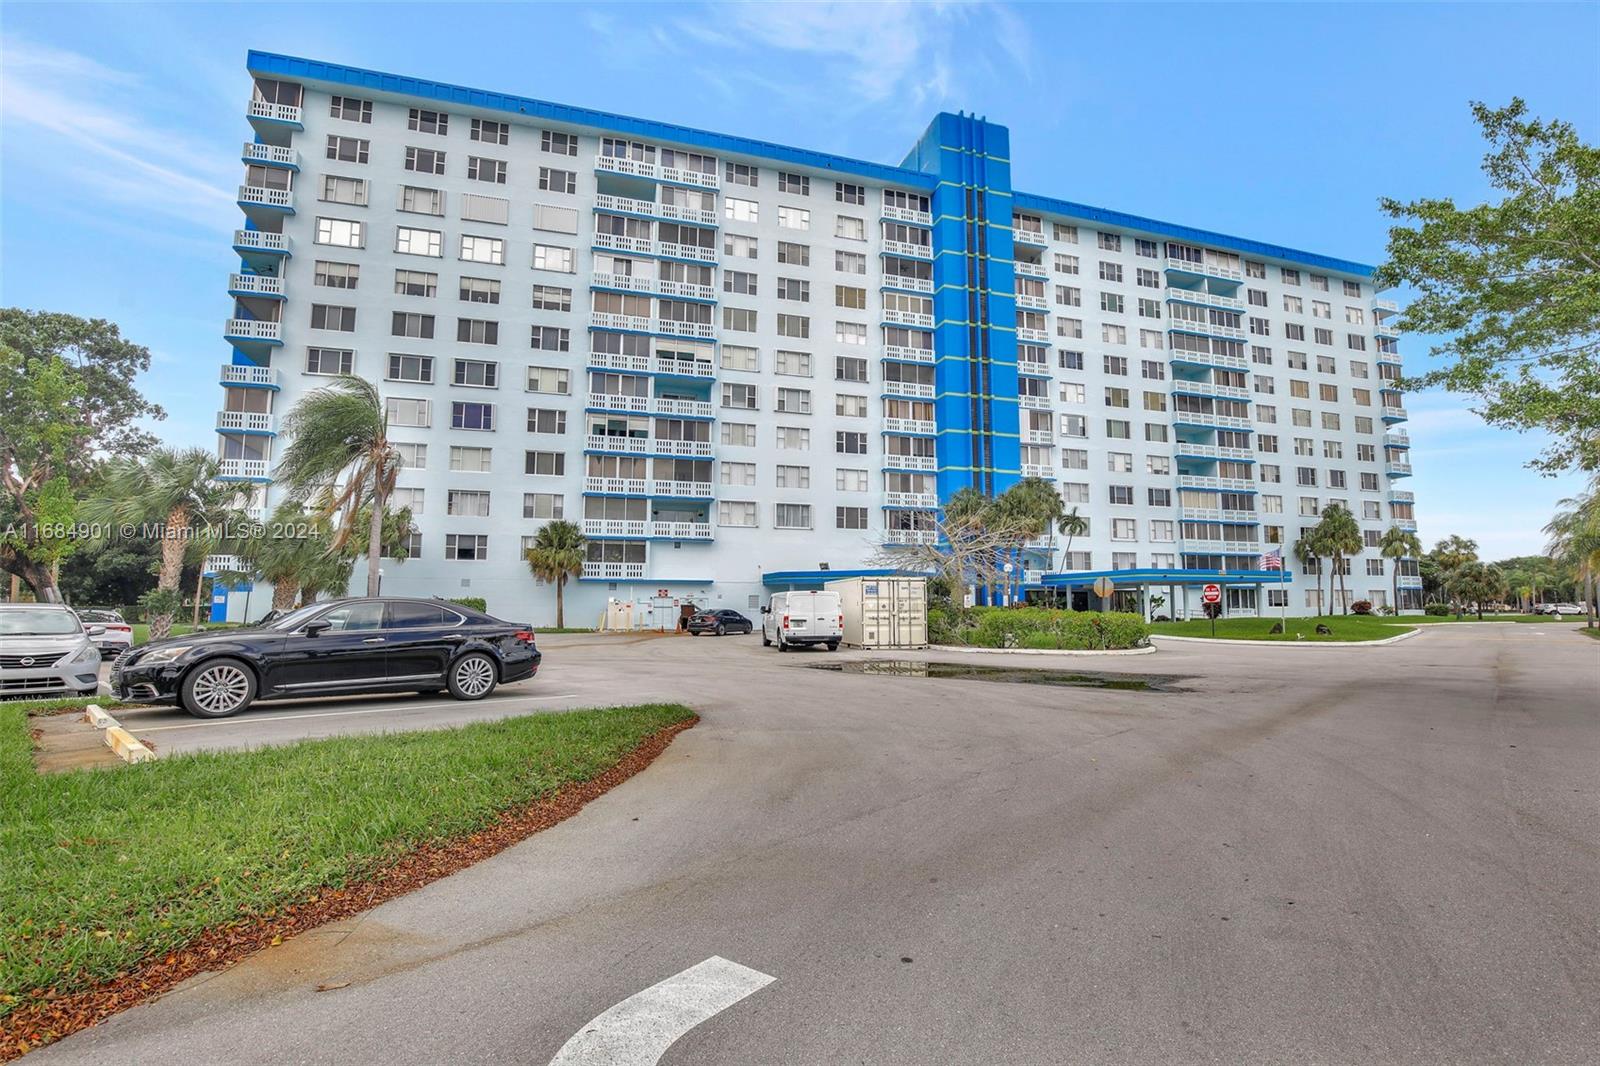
(1398, 544)
(1071, 524)
(1307, 552)
(1575, 540)
(1031, 507)
(338, 451)
(556, 555)
(177, 488)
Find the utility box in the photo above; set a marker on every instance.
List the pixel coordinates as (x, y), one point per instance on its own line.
(883, 612)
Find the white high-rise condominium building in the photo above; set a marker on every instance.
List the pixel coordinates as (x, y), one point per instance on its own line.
(743, 367)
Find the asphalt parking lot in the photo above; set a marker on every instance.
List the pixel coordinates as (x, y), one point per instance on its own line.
(1286, 854)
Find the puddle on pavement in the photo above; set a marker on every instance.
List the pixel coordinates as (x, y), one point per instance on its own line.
(1004, 674)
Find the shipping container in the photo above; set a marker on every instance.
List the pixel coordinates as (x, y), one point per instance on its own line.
(884, 612)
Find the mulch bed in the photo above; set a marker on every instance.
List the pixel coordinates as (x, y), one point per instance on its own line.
(58, 1015)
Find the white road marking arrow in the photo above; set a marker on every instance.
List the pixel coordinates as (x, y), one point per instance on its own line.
(638, 1031)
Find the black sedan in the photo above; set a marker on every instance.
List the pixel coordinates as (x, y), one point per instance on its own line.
(334, 648)
(719, 622)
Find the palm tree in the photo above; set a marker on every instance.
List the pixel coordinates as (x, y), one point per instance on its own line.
(1031, 507)
(177, 488)
(556, 555)
(1071, 524)
(1307, 551)
(1398, 544)
(338, 450)
(1575, 540)
(1477, 583)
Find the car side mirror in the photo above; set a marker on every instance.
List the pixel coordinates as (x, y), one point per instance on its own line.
(766, 610)
(95, 631)
(317, 628)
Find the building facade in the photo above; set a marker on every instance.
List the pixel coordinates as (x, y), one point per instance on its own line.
(738, 365)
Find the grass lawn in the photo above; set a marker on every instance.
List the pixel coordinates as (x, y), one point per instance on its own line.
(1593, 634)
(100, 870)
(1345, 627)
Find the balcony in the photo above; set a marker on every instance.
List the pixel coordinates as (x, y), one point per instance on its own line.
(612, 401)
(673, 327)
(243, 470)
(261, 246)
(683, 490)
(217, 564)
(271, 119)
(1204, 299)
(607, 320)
(683, 368)
(594, 571)
(1232, 333)
(914, 389)
(266, 196)
(1208, 388)
(1405, 525)
(1203, 270)
(621, 242)
(1396, 469)
(1036, 336)
(674, 250)
(639, 169)
(896, 461)
(1209, 420)
(1218, 514)
(625, 282)
(655, 209)
(700, 449)
(614, 527)
(907, 318)
(913, 426)
(910, 536)
(1392, 413)
(906, 214)
(261, 377)
(1218, 484)
(1039, 470)
(908, 354)
(1397, 438)
(681, 530)
(253, 331)
(1038, 436)
(1388, 358)
(1386, 331)
(686, 289)
(1402, 496)
(1385, 305)
(1031, 270)
(1409, 581)
(1187, 449)
(271, 155)
(682, 408)
(1032, 237)
(925, 501)
(908, 249)
(1032, 303)
(245, 422)
(1221, 547)
(1033, 368)
(1225, 362)
(264, 285)
(1033, 402)
(614, 486)
(906, 283)
(650, 405)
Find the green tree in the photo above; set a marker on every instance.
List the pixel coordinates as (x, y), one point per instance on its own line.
(67, 397)
(338, 451)
(1072, 525)
(1477, 583)
(1449, 555)
(1513, 285)
(1308, 552)
(556, 555)
(1031, 508)
(1574, 534)
(1398, 544)
(1339, 535)
(177, 490)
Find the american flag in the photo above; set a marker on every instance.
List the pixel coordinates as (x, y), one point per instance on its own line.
(1272, 560)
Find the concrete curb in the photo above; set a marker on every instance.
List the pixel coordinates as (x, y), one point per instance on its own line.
(1048, 651)
(1292, 643)
(127, 747)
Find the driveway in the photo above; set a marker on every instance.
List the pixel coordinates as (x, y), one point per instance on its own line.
(1293, 855)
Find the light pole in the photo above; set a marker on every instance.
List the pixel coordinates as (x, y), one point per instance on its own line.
(380, 581)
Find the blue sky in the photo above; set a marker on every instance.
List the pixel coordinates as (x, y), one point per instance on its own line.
(121, 126)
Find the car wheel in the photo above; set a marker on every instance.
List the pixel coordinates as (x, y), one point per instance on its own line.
(833, 645)
(218, 688)
(765, 642)
(473, 676)
(719, 629)
(89, 691)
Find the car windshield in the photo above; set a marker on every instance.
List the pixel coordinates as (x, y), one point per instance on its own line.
(295, 619)
(38, 623)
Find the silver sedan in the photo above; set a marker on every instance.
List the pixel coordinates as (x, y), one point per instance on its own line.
(46, 651)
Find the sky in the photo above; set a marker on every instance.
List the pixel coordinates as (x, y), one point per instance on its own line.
(120, 126)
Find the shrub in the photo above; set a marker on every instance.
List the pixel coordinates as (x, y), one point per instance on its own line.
(1277, 628)
(477, 603)
(1036, 627)
(1361, 607)
(1438, 610)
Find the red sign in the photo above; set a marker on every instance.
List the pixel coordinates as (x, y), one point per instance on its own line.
(663, 594)
(1211, 594)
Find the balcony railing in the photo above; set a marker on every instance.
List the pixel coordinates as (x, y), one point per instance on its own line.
(681, 530)
(682, 408)
(685, 288)
(261, 109)
(676, 328)
(1207, 418)
(261, 241)
(271, 155)
(255, 285)
(1210, 270)
(1402, 496)
(908, 353)
(628, 204)
(910, 284)
(614, 527)
(1217, 514)
(1029, 302)
(1030, 270)
(1398, 414)
(1211, 451)
(613, 571)
(640, 169)
(609, 320)
(255, 469)
(1038, 470)
(1210, 388)
(1397, 438)
(906, 214)
(1037, 336)
(1409, 581)
(908, 388)
(1405, 525)
(897, 461)
(621, 242)
(1038, 436)
(1384, 305)
(612, 401)
(674, 250)
(247, 421)
(1204, 299)
(907, 318)
(1221, 484)
(689, 368)
(235, 374)
(615, 486)
(1180, 325)
(1033, 402)
(1397, 469)
(907, 248)
(1226, 362)
(1384, 329)
(638, 364)
(626, 282)
(927, 500)
(1221, 547)
(217, 564)
(681, 176)
(648, 445)
(266, 196)
(698, 490)
(909, 425)
(1033, 237)
(252, 329)
(910, 536)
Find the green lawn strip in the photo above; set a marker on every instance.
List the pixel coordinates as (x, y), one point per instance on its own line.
(100, 869)
(1345, 627)
(1593, 634)
(1435, 619)
(66, 703)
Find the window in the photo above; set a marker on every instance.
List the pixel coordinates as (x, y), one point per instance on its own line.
(466, 547)
(403, 411)
(558, 143)
(424, 161)
(1111, 242)
(738, 395)
(736, 513)
(337, 275)
(476, 416)
(423, 121)
(794, 218)
(1124, 529)
(850, 262)
(739, 319)
(742, 174)
(850, 443)
(850, 229)
(329, 360)
(851, 297)
(850, 480)
(552, 257)
(487, 132)
(849, 368)
(736, 210)
(468, 503)
(544, 464)
(554, 380)
(546, 420)
(850, 517)
(491, 250)
(798, 184)
(476, 373)
(561, 181)
(490, 170)
(1115, 364)
(793, 438)
(410, 324)
(847, 406)
(794, 326)
(741, 434)
(846, 193)
(339, 190)
(794, 289)
(1120, 495)
(791, 515)
(793, 477)
(408, 241)
(348, 149)
(419, 201)
(480, 290)
(551, 338)
(794, 401)
(740, 357)
(351, 109)
(552, 298)
(543, 505)
(341, 232)
(738, 473)
(418, 368)
(792, 364)
(1110, 271)
(328, 316)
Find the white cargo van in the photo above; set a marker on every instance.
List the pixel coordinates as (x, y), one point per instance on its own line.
(794, 619)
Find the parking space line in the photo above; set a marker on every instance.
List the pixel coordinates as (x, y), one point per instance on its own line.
(331, 714)
(638, 1031)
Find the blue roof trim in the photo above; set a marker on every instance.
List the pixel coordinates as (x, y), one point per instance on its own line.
(1032, 202)
(272, 64)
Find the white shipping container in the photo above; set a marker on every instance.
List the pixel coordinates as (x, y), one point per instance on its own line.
(883, 612)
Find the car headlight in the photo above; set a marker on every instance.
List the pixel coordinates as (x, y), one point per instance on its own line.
(170, 653)
(87, 653)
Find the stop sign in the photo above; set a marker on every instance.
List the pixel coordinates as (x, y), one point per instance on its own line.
(1211, 594)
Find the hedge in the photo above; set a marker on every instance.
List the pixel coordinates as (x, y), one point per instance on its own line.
(1036, 627)
(477, 603)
